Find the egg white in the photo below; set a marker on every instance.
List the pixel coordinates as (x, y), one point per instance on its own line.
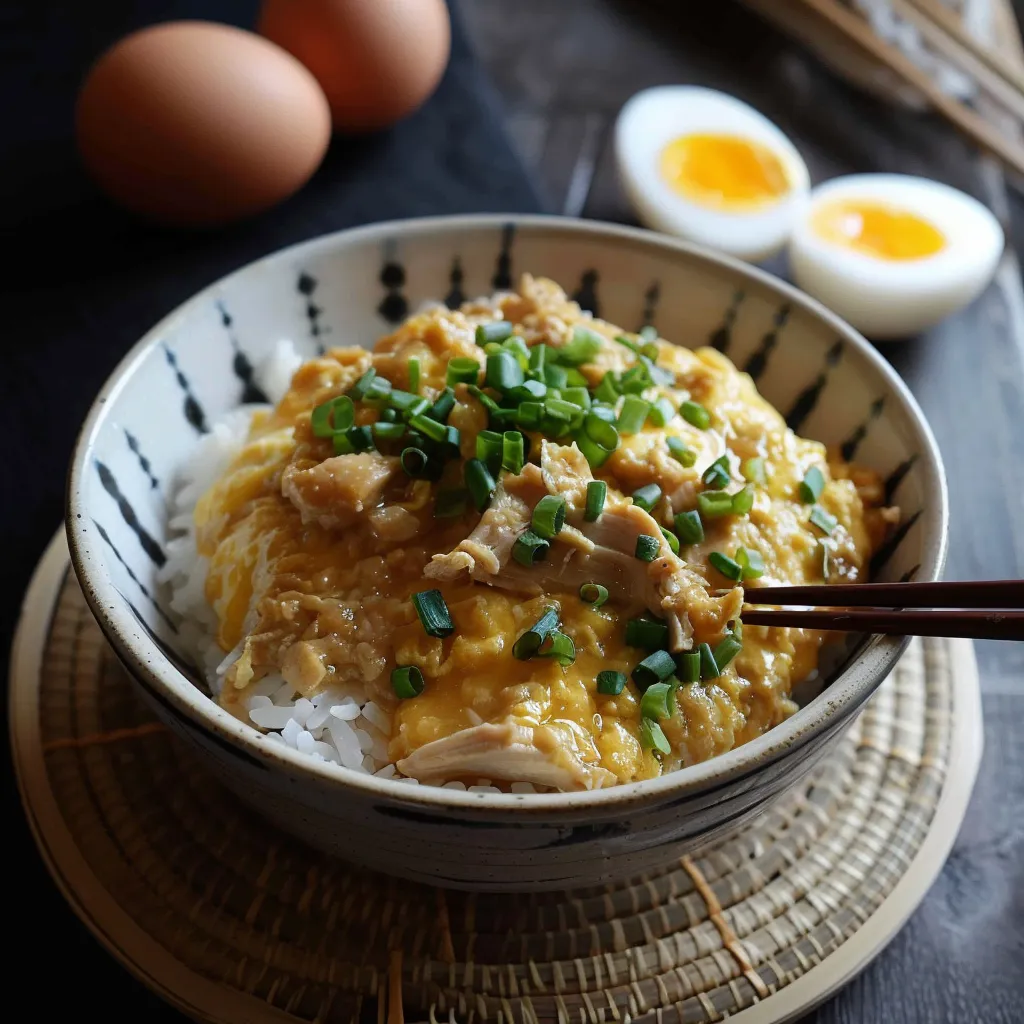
(888, 299)
(654, 118)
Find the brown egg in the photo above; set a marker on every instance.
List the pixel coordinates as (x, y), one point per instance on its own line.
(196, 124)
(377, 60)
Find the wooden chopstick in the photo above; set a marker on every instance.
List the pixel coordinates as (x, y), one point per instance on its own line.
(975, 625)
(989, 594)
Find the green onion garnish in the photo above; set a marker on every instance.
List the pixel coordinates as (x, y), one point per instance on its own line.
(429, 428)
(812, 485)
(652, 737)
(414, 375)
(610, 683)
(658, 701)
(451, 503)
(601, 431)
(728, 567)
(708, 665)
(647, 497)
(528, 391)
(823, 520)
(530, 548)
(714, 504)
(504, 371)
(649, 332)
(548, 516)
(414, 461)
(647, 547)
(563, 410)
(743, 501)
(689, 666)
(374, 393)
(695, 414)
(407, 681)
(479, 482)
(529, 414)
(484, 399)
(388, 415)
(751, 562)
(452, 442)
(488, 449)
(628, 342)
(607, 390)
(753, 470)
(584, 346)
(597, 491)
(654, 668)
(678, 450)
(338, 414)
(403, 401)
(359, 389)
(671, 539)
(578, 396)
(497, 330)
(595, 454)
(634, 380)
(689, 528)
(716, 476)
(633, 414)
(433, 612)
(559, 646)
(388, 431)
(462, 370)
(443, 405)
(518, 349)
(529, 643)
(647, 634)
(555, 376)
(513, 451)
(342, 445)
(537, 358)
(593, 594)
(662, 412)
(361, 438)
(725, 650)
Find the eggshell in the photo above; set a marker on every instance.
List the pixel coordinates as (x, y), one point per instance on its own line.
(194, 123)
(377, 60)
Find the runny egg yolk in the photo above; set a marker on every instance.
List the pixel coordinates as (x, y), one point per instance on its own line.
(877, 229)
(724, 171)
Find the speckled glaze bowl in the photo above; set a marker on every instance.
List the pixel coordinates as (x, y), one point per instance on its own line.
(349, 288)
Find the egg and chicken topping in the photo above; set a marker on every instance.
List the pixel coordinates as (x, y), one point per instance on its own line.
(527, 533)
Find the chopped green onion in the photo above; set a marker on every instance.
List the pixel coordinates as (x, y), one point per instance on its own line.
(610, 683)
(407, 402)
(548, 516)
(452, 442)
(654, 668)
(433, 612)
(751, 562)
(443, 405)
(593, 594)
(359, 389)
(708, 665)
(714, 504)
(414, 461)
(678, 450)
(407, 681)
(650, 350)
(537, 358)
(584, 346)
(428, 427)
(361, 438)
(479, 482)
(647, 634)
(462, 370)
(513, 451)
(488, 449)
(555, 376)
(342, 445)
(725, 650)
(335, 415)
(388, 416)
(735, 627)
(388, 431)
(649, 332)
(634, 380)
(595, 454)
(662, 413)
(742, 501)
(375, 392)
(559, 646)
(601, 431)
(753, 470)
(658, 701)
(491, 347)
(647, 497)
(528, 391)
(484, 399)
(647, 547)
(578, 396)
(414, 375)
(716, 476)
(504, 371)
(597, 491)
(451, 503)
(529, 643)
(518, 349)
(530, 548)
(689, 528)
(529, 414)
(563, 410)
(812, 485)
(727, 566)
(497, 330)
(607, 390)
(633, 414)
(671, 539)
(653, 738)
(689, 666)
(695, 414)
(628, 342)
(823, 520)
(604, 411)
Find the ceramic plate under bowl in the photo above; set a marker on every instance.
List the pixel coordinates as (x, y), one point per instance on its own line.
(348, 289)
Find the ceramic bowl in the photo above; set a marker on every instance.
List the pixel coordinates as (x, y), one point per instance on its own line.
(349, 288)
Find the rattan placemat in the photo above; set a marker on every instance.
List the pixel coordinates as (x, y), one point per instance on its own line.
(233, 921)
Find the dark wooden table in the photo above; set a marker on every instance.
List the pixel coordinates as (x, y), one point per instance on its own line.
(564, 68)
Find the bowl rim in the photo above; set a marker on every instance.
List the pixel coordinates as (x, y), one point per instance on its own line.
(146, 661)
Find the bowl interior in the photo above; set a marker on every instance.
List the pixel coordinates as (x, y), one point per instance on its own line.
(350, 288)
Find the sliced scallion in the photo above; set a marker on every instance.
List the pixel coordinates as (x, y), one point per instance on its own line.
(528, 391)
(708, 665)
(563, 410)
(716, 476)
(595, 454)
(578, 396)
(513, 451)
(677, 449)
(647, 547)
(824, 521)
(529, 643)
(742, 501)
(530, 548)
(601, 431)
(518, 349)
(585, 344)
(497, 330)
(414, 375)
(452, 444)
(627, 342)
(671, 539)
(714, 504)
(662, 413)
(537, 358)
(548, 516)
(725, 650)
(462, 370)
(407, 681)
(479, 482)
(695, 414)
(689, 666)
(610, 683)
(649, 332)
(361, 438)
(359, 389)
(654, 668)
(555, 376)
(689, 528)
(429, 428)
(607, 390)
(753, 470)
(593, 594)
(751, 562)
(336, 415)
(647, 634)
(433, 613)
(633, 414)
(451, 503)
(812, 485)
(488, 449)
(647, 497)
(529, 414)
(597, 491)
(375, 392)
(652, 737)
(443, 405)
(559, 646)
(504, 371)
(658, 701)
(728, 567)
(414, 461)
(388, 431)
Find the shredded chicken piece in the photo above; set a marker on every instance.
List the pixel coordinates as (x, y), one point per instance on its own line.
(509, 750)
(338, 491)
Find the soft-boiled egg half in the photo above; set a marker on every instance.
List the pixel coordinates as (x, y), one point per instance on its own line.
(894, 254)
(706, 167)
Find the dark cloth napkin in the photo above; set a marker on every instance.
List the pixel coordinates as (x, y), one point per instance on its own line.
(81, 282)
